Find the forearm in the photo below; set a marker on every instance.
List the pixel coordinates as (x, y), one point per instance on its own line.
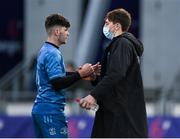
(64, 82)
(69, 73)
(105, 85)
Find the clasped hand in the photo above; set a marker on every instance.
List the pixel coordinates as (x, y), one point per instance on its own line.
(89, 71)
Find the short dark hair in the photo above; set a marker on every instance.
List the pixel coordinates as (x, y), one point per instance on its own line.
(120, 16)
(56, 19)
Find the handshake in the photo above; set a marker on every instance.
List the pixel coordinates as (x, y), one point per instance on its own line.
(89, 71)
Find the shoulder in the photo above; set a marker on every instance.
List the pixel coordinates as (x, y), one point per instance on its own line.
(123, 44)
(124, 41)
(50, 54)
(51, 51)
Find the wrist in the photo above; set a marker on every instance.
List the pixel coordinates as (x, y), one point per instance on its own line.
(78, 75)
(94, 95)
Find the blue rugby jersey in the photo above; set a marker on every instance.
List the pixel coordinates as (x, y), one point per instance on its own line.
(50, 65)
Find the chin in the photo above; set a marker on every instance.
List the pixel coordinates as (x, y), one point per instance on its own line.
(63, 42)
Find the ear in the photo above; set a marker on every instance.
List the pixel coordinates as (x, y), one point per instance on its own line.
(56, 31)
(118, 25)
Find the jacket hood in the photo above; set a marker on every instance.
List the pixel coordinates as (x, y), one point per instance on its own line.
(138, 45)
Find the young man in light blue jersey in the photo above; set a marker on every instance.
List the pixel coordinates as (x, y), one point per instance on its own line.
(48, 109)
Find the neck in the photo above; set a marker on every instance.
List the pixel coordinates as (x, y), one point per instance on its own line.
(53, 41)
(117, 33)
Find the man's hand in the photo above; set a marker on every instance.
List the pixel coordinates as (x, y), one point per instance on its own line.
(97, 70)
(87, 102)
(86, 70)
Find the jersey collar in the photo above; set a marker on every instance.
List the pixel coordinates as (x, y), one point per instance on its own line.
(52, 44)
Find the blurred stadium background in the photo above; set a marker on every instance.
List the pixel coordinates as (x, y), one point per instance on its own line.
(155, 22)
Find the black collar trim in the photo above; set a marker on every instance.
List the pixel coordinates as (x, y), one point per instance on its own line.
(52, 44)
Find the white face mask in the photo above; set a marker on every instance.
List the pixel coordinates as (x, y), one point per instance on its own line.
(107, 33)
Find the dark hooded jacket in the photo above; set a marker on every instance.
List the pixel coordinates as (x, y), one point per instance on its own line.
(119, 91)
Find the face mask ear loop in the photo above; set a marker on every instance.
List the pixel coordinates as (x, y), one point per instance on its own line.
(114, 34)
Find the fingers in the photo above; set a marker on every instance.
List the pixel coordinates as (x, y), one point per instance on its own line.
(89, 70)
(84, 104)
(97, 68)
(97, 65)
(87, 102)
(86, 70)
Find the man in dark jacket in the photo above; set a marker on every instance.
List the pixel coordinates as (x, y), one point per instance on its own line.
(119, 90)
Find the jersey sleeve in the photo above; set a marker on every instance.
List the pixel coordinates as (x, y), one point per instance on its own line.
(54, 65)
